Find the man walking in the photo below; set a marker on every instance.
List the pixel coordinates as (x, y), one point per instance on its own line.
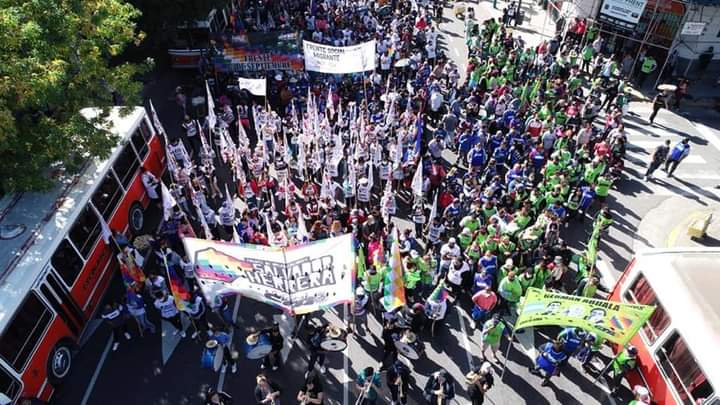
(660, 101)
(677, 154)
(658, 157)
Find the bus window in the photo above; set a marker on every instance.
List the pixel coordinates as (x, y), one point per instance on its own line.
(680, 367)
(139, 142)
(9, 386)
(642, 293)
(24, 332)
(108, 195)
(85, 231)
(126, 165)
(67, 262)
(146, 130)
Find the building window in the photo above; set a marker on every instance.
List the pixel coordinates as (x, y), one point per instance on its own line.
(67, 262)
(126, 165)
(24, 332)
(642, 293)
(681, 369)
(108, 195)
(85, 231)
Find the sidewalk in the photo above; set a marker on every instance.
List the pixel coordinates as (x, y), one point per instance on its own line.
(666, 226)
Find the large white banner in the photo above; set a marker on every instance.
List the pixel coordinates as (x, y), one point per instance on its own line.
(625, 10)
(256, 87)
(339, 59)
(298, 279)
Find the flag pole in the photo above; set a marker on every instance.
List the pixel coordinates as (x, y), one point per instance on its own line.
(607, 367)
(512, 337)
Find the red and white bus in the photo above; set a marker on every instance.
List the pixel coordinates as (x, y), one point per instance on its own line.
(678, 346)
(54, 266)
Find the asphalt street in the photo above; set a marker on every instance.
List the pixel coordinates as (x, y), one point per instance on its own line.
(161, 369)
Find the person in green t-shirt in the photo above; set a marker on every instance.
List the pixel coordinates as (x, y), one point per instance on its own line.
(510, 291)
(492, 332)
(621, 365)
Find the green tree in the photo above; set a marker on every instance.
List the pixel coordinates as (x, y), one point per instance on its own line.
(54, 61)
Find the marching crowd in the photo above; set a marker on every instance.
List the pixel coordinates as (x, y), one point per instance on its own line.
(490, 171)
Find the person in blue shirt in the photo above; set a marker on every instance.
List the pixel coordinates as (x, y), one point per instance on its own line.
(500, 155)
(551, 355)
(477, 157)
(489, 263)
(676, 155)
(558, 209)
(572, 339)
(466, 141)
(588, 196)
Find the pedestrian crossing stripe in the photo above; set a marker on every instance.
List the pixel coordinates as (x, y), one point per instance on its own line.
(683, 191)
(644, 157)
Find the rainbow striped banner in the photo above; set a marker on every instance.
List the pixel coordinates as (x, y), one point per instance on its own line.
(394, 285)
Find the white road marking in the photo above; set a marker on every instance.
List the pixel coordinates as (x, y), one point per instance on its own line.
(607, 277)
(95, 375)
(684, 191)
(466, 341)
(346, 366)
(708, 134)
(644, 157)
(236, 308)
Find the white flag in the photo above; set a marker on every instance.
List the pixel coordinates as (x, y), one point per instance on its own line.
(433, 210)
(212, 118)
(417, 181)
(106, 232)
(257, 87)
(168, 202)
(156, 120)
(302, 232)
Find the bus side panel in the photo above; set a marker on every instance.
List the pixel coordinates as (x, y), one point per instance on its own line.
(653, 378)
(92, 278)
(36, 371)
(155, 161)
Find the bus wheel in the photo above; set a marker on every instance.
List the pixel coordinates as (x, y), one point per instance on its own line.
(136, 218)
(59, 362)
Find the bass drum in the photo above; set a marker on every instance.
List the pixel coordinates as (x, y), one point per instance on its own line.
(212, 356)
(410, 346)
(335, 340)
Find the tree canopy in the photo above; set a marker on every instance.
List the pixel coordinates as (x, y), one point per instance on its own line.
(55, 61)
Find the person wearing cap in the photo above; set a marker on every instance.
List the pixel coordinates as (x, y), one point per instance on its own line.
(623, 363)
(492, 332)
(505, 269)
(412, 277)
(465, 238)
(480, 380)
(448, 252)
(572, 340)
(642, 396)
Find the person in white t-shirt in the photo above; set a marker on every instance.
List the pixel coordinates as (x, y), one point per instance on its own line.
(168, 311)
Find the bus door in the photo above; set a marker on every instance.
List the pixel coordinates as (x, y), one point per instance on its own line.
(10, 385)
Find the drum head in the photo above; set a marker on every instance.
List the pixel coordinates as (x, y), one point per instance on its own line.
(258, 352)
(218, 360)
(407, 350)
(333, 345)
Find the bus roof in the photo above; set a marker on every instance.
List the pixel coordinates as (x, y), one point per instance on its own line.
(686, 283)
(47, 216)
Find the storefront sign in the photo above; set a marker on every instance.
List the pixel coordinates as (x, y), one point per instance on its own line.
(628, 11)
(693, 28)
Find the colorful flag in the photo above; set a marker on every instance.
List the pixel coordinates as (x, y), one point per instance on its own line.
(440, 293)
(615, 321)
(156, 120)
(394, 296)
(130, 272)
(179, 290)
(360, 264)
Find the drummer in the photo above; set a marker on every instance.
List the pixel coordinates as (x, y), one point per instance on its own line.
(277, 342)
(222, 337)
(317, 354)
